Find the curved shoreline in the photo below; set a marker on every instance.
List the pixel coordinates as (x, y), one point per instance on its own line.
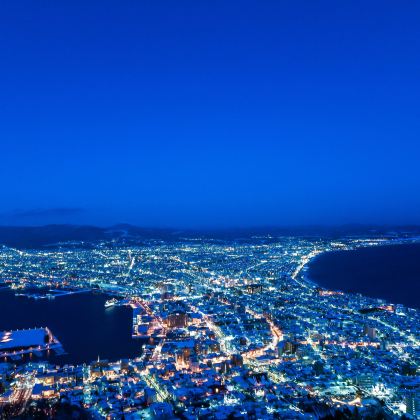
(360, 272)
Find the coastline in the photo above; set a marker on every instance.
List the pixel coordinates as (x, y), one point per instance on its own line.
(325, 268)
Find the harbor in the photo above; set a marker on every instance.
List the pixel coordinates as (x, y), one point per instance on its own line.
(16, 344)
(84, 326)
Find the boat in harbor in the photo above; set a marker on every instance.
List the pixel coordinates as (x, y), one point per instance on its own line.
(110, 302)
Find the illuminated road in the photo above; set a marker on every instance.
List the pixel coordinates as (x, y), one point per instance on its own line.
(304, 261)
(21, 395)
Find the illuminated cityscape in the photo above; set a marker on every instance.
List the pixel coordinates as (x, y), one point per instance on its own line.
(210, 210)
(225, 329)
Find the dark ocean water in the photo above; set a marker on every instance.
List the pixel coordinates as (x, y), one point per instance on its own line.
(387, 272)
(83, 325)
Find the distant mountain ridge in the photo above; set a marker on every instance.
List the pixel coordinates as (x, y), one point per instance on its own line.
(41, 236)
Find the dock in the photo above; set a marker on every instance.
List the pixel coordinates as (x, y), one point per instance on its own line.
(15, 344)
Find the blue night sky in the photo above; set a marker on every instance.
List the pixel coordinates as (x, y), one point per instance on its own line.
(210, 113)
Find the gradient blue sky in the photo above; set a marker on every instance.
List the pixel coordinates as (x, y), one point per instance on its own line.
(210, 113)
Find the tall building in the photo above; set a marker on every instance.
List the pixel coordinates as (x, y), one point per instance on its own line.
(370, 332)
(178, 319)
(412, 402)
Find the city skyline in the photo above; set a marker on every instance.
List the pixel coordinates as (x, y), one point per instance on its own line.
(270, 327)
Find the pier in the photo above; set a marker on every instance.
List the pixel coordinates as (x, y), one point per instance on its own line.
(53, 293)
(16, 344)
